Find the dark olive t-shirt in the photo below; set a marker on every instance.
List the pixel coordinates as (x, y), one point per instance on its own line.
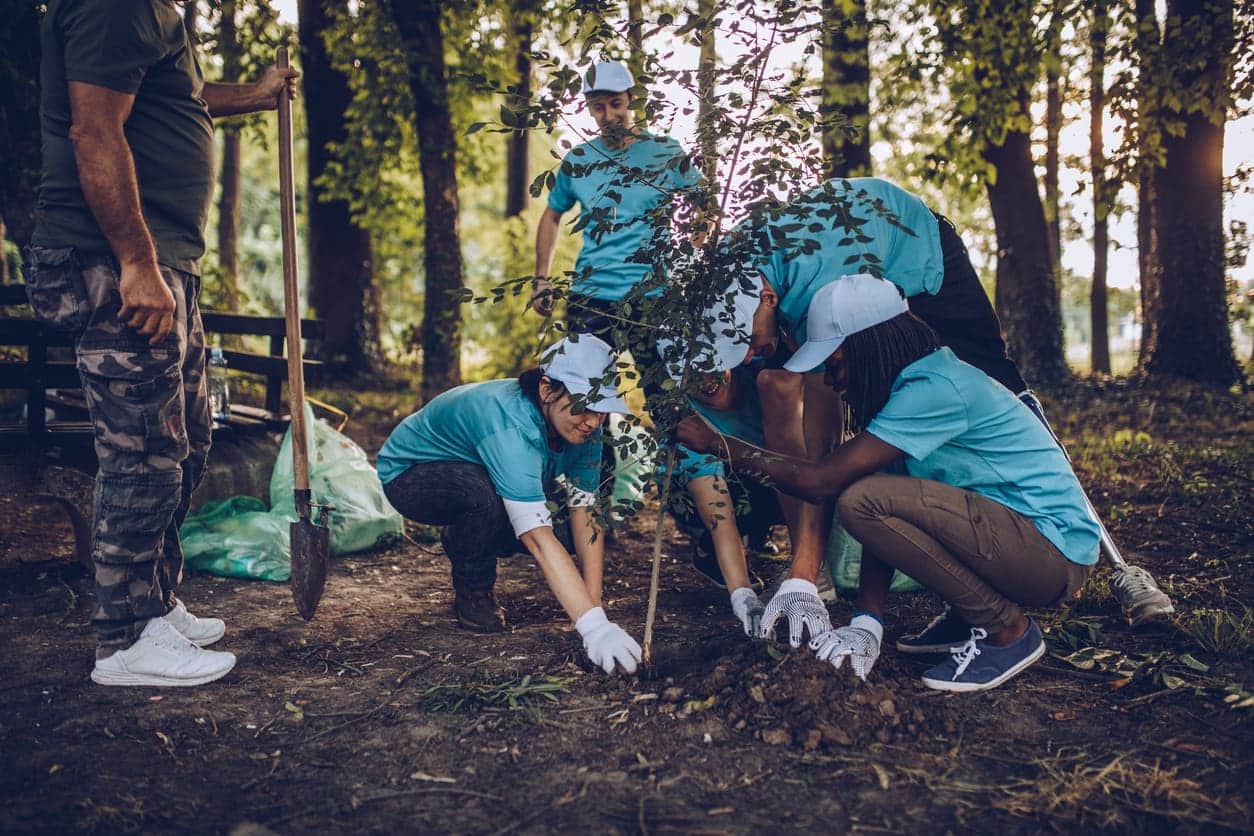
(138, 47)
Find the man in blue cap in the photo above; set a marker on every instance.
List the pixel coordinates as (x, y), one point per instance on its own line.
(619, 179)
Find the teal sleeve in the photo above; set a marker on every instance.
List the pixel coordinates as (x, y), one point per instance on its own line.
(562, 195)
(110, 43)
(514, 464)
(923, 412)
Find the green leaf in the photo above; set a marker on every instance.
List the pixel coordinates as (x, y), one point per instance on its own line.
(475, 127)
(1189, 661)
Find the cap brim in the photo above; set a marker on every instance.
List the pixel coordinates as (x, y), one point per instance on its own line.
(605, 401)
(812, 354)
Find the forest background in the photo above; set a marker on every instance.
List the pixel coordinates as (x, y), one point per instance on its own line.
(1097, 157)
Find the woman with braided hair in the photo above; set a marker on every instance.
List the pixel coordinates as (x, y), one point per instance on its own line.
(990, 515)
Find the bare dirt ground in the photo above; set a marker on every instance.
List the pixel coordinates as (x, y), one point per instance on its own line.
(381, 716)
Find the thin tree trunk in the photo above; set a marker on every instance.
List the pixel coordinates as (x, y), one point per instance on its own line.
(1053, 127)
(418, 22)
(4, 262)
(635, 56)
(341, 275)
(516, 169)
(191, 21)
(229, 175)
(1027, 296)
(1100, 330)
(1192, 337)
(846, 99)
(707, 77)
(1148, 45)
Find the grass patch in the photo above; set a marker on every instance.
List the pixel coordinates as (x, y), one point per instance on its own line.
(1223, 630)
(528, 696)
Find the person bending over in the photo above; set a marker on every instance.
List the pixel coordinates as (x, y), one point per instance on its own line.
(990, 517)
(477, 461)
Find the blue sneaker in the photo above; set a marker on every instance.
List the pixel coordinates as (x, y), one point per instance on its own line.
(942, 635)
(978, 665)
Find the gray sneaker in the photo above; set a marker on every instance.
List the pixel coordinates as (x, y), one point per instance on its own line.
(1139, 595)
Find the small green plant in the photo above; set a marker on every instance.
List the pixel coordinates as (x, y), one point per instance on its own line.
(528, 696)
(1223, 630)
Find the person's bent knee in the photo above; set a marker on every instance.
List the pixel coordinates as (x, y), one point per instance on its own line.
(777, 385)
(862, 502)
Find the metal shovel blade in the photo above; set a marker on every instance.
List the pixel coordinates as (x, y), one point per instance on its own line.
(311, 546)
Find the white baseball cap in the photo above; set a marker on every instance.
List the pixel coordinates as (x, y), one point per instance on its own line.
(730, 319)
(581, 362)
(843, 307)
(608, 77)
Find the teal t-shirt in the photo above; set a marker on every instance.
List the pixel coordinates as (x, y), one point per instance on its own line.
(617, 190)
(495, 425)
(138, 47)
(743, 421)
(958, 426)
(845, 226)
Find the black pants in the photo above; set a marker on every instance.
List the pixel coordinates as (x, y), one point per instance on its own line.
(460, 497)
(962, 315)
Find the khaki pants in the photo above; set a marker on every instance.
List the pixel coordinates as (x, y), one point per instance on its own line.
(982, 558)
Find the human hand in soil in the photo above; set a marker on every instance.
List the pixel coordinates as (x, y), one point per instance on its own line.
(799, 601)
(606, 643)
(748, 608)
(859, 642)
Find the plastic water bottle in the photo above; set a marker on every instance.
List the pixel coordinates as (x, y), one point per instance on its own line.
(219, 392)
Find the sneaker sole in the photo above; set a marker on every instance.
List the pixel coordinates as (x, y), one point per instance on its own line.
(140, 679)
(947, 685)
(1151, 611)
(927, 649)
(205, 642)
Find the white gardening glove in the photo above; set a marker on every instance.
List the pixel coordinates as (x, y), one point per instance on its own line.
(748, 609)
(798, 600)
(606, 643)
(859, 642)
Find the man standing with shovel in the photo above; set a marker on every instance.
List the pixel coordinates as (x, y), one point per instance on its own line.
(127, 134)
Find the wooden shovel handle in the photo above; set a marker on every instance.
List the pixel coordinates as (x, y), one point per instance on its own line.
(291, 295)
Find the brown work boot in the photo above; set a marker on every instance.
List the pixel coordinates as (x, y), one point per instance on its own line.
(478, 611)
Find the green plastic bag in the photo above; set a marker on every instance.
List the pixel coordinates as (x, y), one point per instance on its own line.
(844, 562)
(239, 538)
(339, 475)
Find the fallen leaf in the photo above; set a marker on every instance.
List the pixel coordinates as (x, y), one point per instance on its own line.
(882, 774)
(1061, 716)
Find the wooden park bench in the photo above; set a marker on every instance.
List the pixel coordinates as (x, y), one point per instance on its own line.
(52, 456)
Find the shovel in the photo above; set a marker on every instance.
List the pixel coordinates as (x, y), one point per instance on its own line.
(311, 539)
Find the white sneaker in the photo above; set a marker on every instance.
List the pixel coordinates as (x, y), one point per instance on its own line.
(162, 657)
(201, 632)
(1139, 596)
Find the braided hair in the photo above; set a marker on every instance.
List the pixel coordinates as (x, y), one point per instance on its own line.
(875, 357)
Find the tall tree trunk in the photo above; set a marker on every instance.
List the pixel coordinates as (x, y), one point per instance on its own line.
(1027, 295)
(4, 261)
(707, 79)
(1053, 127)
(635, 56)
(341, 276)
(846, 89)
(1100, 330)
(191, 22)
(1148, 45)
(19, 118)
(229, 174)
(516, 173)
(418, 22)
(1191, 336)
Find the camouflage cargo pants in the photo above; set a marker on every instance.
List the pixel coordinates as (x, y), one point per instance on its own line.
(149, 408)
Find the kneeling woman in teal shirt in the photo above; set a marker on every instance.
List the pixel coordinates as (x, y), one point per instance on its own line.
(477, 461)
(991, 516)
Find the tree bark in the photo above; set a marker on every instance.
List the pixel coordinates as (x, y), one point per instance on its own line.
(340, 268)
(1027, 296)
(635, 55)
(846, 89)
(1148, 43)
(229, 174)
(516, 162)
(418, 22)
(19, 118)
(1100, 328)
(191, 22)
(707, 78)
(1191, 336)
(1053, 127)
